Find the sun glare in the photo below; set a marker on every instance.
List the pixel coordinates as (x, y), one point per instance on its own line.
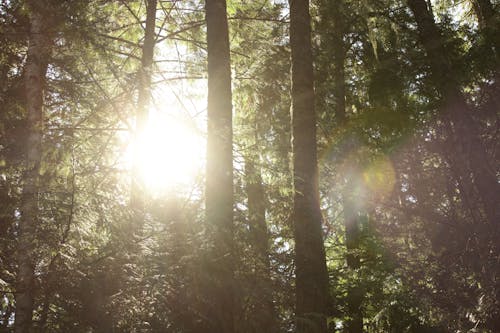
(169, 153)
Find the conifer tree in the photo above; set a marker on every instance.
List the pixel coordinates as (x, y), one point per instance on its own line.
(310, 264)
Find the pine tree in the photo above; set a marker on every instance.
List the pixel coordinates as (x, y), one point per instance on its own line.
(34, 79)
(219, 177)
(311, 274)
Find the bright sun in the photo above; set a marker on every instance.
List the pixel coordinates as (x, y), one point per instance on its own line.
(170, 153)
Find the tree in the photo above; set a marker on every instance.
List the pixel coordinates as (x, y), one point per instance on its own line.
(353, 201)
(464, 149)
(489, 24)
(403, 134)
(219, 177)
(263, 315)
(310, 263)
(469, 158)
(34, 75)
(143, 103)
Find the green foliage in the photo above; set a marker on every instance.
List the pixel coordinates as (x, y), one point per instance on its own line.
(428, 261)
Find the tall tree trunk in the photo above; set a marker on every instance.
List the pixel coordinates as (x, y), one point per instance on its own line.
(310, 263)
(339, 53)
(264, 316)
(34, 73)
(351, 201)
(219, 177)
(469, 157)
(143, 102)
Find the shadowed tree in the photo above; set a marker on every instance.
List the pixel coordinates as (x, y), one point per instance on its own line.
(143, 102)
(310, 264)
(264, 313)
(351, 199)
(470, 162)
(34, 79)
(469, 158)
(219, 178)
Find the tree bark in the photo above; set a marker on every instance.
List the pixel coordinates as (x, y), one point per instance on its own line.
(143, 102)
(310, 263)
(468, 156)
(219, 177)
(34, 74)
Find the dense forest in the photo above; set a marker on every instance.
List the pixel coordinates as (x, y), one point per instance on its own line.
(249, 166)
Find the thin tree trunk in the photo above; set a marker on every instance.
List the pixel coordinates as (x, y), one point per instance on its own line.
(143, 102)
(310, 263)
(34, 74)
(219, 177)
(264, 316)
(469, 156)
(352, 206)
(351, 203)
(339, 53)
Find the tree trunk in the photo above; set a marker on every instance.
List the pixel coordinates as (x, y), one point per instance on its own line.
(34, 75)
(352, 214)
(310, 263)
(489, 23)
(351, 202)
(219, 177)
(264, 316)
(468, 156)
(143, 102)
(484, 12)
(339, 53)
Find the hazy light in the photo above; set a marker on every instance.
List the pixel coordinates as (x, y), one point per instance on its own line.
(170, 153)
(380, 177)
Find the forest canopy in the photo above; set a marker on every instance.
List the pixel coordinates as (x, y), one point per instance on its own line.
(249, 166)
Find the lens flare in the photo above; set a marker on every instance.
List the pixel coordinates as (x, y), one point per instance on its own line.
(379, 177)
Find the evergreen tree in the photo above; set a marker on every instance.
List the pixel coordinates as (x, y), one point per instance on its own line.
(219, 180)
(311, 275)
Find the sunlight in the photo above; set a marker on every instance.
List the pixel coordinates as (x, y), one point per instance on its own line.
(170, 153)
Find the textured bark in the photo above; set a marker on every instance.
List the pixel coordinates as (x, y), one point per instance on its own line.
(219, 178)
(143, 102)
(34, 74)
(468, 155)
(310, 263)
(264, 314)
